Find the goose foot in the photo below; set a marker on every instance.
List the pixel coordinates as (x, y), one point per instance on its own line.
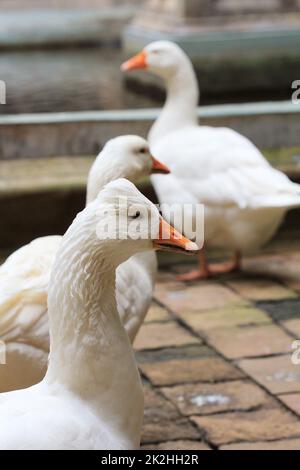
(206, 271)
(227, 267)
(197, 274)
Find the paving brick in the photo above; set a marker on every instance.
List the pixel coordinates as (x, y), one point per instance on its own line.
(157, 408)
(159, 431)
(167, 286)
(178, 445)
(261, 289)
(270, 264)
(225, 318)
(211, 369)
(282, 310)
(250, 341)
(181, 298)
(164, 276)
(285, 444)
(277, 374)
(162, 421)
(157, 314)
(154, 336)
(203, 399)
(174, 353)
(292, 401)
(262, 425)
(183, 268)
(293, 326)
(289, 271)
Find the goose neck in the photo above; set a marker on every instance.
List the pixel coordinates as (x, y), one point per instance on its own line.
(90, 354)
(103, 171)
(180, 109)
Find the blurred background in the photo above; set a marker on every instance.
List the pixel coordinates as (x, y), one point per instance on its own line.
(65, 94)
(64, 55)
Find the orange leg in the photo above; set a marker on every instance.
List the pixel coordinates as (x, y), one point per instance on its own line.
(228, 267)
(206, 271)
(203, 272)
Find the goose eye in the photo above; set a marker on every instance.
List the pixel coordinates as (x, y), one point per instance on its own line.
(143, 150)
(136, 215)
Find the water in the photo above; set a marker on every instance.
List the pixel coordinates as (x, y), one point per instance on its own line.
(66, 80)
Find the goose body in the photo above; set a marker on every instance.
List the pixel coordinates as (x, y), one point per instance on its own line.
(91, 397)
(57, 420)
(24, 277)
(245, 198)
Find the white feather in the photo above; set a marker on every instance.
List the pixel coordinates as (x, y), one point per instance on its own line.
(24, 278)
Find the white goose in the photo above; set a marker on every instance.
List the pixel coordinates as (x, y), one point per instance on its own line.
(25, 275)
(245, 198)
(91, 397)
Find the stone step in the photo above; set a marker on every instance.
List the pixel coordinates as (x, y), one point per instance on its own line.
(42, 196)
(69, 173)
(271, 125)
(24, 177)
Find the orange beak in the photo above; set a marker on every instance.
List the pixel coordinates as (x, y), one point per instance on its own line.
(158, 167)
(171, 240)
(139, 61)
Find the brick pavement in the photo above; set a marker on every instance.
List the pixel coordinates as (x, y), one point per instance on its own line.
(216, 358)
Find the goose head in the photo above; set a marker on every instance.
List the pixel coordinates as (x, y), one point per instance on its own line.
(133, 154)
(163, 58)
(127, 157)
(128, 223)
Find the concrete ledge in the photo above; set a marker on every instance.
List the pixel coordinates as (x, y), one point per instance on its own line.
(268, 125)
(42, 197)
(36, 176)
(150, 114)
(24, 177)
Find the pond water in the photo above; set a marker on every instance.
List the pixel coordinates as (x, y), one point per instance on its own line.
(66, 80)
(82, 79)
